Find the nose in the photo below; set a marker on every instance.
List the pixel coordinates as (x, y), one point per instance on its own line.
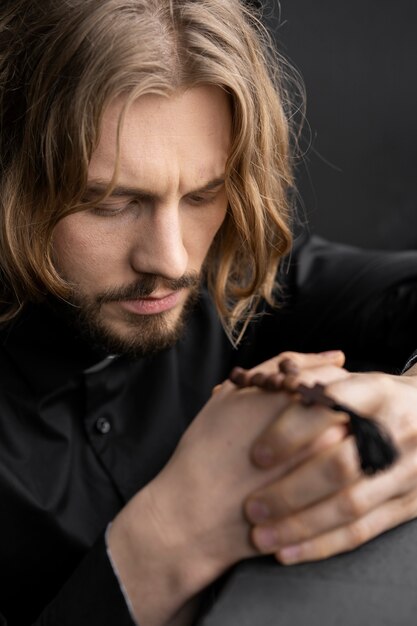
(159, 244)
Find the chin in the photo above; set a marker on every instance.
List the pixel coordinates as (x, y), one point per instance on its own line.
(111, 329)
(134, 335)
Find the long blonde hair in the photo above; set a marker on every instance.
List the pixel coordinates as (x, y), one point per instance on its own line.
(63, 61)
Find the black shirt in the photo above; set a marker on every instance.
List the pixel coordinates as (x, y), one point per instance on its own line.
(81, 433)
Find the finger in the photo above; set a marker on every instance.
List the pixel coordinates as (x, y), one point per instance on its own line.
(306, 360)
(342, 508)
(353, 535)
(330, 437)
(323, 475)
(324, 374)
(296, 427)
(301, 360)
(389, 399)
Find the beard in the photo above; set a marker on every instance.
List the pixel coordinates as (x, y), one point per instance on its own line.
(133, 335)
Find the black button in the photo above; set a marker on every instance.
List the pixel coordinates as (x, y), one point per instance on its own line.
(103, 426)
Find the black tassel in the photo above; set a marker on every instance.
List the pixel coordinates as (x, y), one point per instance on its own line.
(376, 449)
(375, 446)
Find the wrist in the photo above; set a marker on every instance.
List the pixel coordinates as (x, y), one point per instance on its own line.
(158, 567)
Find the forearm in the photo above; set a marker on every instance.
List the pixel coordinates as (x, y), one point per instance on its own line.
(161, 569)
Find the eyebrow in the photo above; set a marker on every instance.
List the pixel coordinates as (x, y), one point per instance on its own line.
(99, 188)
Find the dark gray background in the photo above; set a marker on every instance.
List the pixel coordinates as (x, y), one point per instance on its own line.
(358, 60)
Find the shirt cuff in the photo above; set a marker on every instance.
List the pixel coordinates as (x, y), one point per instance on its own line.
(117, 575)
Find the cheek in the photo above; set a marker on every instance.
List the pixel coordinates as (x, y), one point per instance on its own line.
(215, 223)
(202, 228)
(75, 250)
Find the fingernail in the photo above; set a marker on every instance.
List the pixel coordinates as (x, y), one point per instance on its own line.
(265, 537)
(289, 554)
(238, 376)
(329, 354)
(288, 367)
(258, 379)
(257, 511)
(264, 455)
(274, 382)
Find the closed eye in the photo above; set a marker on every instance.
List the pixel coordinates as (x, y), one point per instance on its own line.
(111, 209)
(197, 199)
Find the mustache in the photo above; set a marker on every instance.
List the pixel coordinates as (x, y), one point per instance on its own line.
(148, 284)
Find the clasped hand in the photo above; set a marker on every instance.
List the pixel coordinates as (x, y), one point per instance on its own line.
(256, 473)
(324, 505)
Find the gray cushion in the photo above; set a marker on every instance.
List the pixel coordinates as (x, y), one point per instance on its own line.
(376, 584)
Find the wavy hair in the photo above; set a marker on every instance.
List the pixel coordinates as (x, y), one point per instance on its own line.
(63, 61)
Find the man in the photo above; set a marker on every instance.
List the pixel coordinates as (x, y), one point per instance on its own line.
(145, 153)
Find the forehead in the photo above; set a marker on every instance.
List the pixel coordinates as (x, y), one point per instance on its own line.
(184, 137)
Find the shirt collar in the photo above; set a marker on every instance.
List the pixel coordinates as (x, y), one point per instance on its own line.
(47, 351)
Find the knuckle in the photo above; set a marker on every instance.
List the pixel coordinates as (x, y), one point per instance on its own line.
(351, 505)
(284, 504)
(320, 551)
(412, 465)
(295, 530)
(409, 505)
(408, 428)
(288, 354)
(299, 359)
(317, 549)
(404, 474)
(375, 378)
(292, 530)
(271, 442)
(357, 533)
(340, 468)
(381, 383)
(287, 431)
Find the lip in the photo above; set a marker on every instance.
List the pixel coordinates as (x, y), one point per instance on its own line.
(151, 306)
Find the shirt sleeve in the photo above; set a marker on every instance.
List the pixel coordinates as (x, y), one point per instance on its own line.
(412, 360)
(362, 301)
(91, 597)
(341, 297)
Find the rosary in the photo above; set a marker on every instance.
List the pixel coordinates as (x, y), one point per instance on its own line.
(375, 447)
